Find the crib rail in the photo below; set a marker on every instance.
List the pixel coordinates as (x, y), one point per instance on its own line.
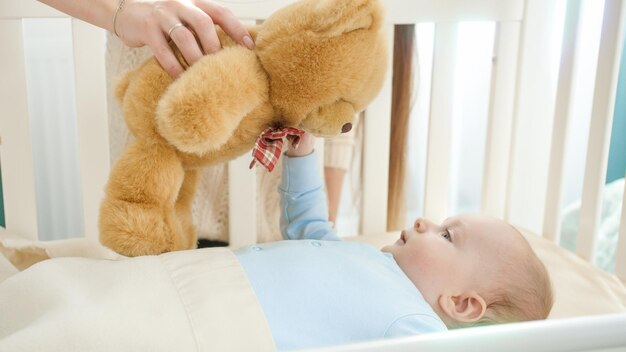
(598, 333)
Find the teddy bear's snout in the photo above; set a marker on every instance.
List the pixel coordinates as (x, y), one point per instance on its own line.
(346, 128)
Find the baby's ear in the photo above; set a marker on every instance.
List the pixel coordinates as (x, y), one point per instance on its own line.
(468, 307)
(335, 17)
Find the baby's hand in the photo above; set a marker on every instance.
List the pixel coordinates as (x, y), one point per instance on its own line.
(305, 147)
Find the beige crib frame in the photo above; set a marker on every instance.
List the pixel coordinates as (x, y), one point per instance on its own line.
(522, 108)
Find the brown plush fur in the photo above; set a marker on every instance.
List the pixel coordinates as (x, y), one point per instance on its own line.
(315, 65)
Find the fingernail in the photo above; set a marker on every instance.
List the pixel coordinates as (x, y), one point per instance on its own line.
(247, 41)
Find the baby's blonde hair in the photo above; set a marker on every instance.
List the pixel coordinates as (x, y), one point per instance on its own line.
(523, 290)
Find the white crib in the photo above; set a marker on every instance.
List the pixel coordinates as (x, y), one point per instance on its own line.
(527, 130)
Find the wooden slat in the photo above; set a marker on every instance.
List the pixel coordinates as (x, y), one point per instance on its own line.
(500, 119)
(242, 194)
(242, 216)
(562, 117)
(376, 131)
(532, 118)
(91, 119)
(17, 9)
(404, 11)
(620, 253)
(415, 11)
(436, 198)
(253, 10)
(611, 41)
(16, 148)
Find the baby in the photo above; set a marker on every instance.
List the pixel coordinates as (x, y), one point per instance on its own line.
(470, 270)
(310, 291)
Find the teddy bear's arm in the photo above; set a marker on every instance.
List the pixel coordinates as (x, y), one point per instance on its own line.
(201, 109)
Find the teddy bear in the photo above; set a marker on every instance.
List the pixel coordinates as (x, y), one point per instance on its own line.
(315, 65)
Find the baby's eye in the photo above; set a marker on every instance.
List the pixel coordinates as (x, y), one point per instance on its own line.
(446, 235)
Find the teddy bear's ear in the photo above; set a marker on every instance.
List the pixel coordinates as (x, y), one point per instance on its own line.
(335, 17)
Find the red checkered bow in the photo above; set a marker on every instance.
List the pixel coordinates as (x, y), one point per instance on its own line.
(269, 145)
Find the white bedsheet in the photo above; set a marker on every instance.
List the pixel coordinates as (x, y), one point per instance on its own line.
(183, 301)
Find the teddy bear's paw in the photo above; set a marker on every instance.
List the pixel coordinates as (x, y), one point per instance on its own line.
(133, 229)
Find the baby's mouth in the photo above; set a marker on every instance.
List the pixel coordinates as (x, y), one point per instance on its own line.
(402, 237)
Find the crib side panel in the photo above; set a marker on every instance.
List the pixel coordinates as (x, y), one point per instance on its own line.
(242, 194)
(532, 124)
(500, 118)
(436, 197)
(91, 119)
(562, 118)
(15, 139)
(377, 127)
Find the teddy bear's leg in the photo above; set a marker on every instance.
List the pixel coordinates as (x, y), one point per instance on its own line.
(200, 110)
(183, 207)
(138, 216)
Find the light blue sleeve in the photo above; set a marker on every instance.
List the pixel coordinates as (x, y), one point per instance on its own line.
(304, 211)
(415, 324)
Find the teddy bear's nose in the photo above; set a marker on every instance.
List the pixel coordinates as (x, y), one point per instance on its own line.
(346, 128)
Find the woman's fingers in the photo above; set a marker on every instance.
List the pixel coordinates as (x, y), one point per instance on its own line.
(165, 56)
(185, 41)
(189, 24)
(228, 22)
(203, 26)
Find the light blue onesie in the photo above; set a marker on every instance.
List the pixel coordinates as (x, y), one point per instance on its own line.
(321, 291)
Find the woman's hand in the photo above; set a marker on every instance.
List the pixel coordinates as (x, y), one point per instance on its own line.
(153, 23)
(305, 146)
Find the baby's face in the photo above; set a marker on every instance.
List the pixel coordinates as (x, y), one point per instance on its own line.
(462, 254)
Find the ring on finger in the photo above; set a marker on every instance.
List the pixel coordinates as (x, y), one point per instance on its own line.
(172, 28)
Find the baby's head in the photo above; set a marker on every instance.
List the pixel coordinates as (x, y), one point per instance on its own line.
(474, 270)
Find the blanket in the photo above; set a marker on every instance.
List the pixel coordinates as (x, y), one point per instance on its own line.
(196, 300)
